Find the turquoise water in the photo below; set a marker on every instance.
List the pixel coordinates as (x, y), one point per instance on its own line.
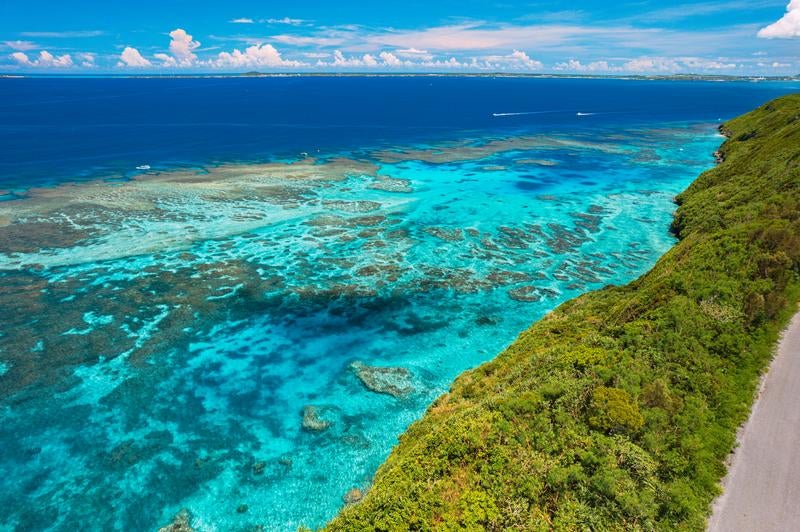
(167, 333)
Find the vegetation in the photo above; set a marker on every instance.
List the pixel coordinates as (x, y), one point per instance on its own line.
(618, 409)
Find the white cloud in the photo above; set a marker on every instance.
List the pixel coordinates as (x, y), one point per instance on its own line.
(391, 60)
(481, 36)
(182, 54)
(130, 57)
(254, 56)
(21, 46)
(87, 59)
(432, 44)
(339, 60)
(577, 66)
(242, 21)
(21, 58)
(45, 60)
(286, 20)
(788, 27)
(414, 53)
(516, 60)
(648, 65)
(707, 64)
(383, 60)
(411, 51)
(651, 64)
(166, 60)
(680, 64)
(182, 48)
(63, 34)
(526, 61)
(451, 63)
(297, 40)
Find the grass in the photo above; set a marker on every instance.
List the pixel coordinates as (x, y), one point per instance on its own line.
(617, 410)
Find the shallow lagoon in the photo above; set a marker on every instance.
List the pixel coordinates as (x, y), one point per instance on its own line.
(143, 380)
(166, 333)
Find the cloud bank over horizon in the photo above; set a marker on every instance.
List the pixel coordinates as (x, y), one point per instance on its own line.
(562, 42)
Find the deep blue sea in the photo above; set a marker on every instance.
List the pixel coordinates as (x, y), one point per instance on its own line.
(227, 298)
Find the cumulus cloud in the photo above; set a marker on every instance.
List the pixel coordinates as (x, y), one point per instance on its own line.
(681, 64)
(383, 60)
(576, 66)
(651, 64)
(788, 27)
(411, 59)
(87, 59)
(414, 53)
(411, 51)
(130, 57)
(254, 56)
(181, 48)
(21, 46)
(522, 58)
(181, 54)
(516, 60)
(21, 58)
(707, 64)
(451, 63)
(44, 60)
(648, 65)
(339, 60)
(391, 60)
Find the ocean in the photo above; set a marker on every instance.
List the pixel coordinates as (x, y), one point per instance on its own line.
(231, 296)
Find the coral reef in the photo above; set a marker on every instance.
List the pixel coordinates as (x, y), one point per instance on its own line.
(393, 381)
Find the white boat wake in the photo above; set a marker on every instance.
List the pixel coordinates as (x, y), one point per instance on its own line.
(525, 113)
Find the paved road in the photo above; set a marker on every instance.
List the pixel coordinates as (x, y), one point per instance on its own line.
(762, 488)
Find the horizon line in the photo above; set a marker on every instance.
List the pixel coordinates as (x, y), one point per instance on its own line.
(787, 77)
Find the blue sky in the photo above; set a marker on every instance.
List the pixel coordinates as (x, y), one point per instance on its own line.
(644, 36)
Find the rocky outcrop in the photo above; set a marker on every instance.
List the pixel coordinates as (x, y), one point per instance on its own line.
(312, 421)
(527, 294)
(393, 381)
(180, 523)
(353, 496)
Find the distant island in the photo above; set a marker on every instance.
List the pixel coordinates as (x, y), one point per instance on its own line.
(255, 74)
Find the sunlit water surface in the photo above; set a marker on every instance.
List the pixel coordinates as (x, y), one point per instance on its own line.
(245, 338)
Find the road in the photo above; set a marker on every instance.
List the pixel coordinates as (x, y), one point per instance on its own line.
(762, 488)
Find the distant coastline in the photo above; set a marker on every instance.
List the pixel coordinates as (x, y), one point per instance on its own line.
(671, 77)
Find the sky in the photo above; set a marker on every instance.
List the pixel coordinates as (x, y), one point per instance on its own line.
(745, 37)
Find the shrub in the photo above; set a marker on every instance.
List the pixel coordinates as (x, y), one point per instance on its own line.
(613, 410)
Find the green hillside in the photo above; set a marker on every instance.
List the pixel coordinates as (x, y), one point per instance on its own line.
(617, 410)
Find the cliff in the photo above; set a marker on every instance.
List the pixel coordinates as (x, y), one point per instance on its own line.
(617, 410)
